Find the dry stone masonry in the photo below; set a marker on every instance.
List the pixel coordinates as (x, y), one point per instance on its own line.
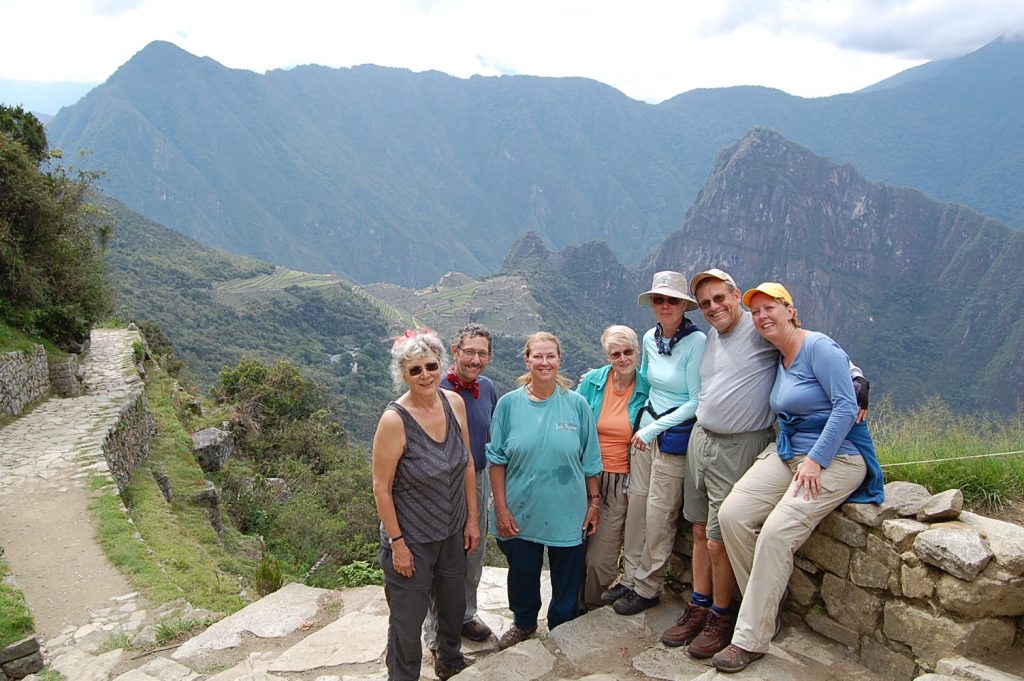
(24, 378)
(905, 593)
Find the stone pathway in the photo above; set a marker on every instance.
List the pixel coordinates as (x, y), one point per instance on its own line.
(46, 460)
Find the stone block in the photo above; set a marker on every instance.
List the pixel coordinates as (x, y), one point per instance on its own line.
(829, 628)
(827, 552)
(802, 589)
(577, 640)
(850, 605)
(917, 581)
(867, 572)
(871, 515)
(932, 637)
(888, 663)
(906, 497)
(21, 667)
(959, 552)
(882, 551)
(850, 532)
(902, 532)
(942, 506)
(212, 448)
(524, 662)
(982, 597)
(13, 651)
(963, 668)
(1005, 539)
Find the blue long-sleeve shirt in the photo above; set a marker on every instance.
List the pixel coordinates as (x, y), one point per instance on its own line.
(817, 384)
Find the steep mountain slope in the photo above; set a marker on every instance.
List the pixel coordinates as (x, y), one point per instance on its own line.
(383, 174)
(921, 293)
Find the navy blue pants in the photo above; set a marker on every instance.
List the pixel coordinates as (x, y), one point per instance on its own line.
(525, 560)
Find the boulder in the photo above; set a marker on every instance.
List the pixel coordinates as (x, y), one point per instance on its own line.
(906, 497)
(212, 448)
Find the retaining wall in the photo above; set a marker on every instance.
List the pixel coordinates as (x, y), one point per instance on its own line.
(24, 378)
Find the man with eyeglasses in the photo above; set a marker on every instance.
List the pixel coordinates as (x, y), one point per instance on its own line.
(471, 350)
(734, 425)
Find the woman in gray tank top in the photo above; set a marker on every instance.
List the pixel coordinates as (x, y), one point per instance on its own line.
(425, 491)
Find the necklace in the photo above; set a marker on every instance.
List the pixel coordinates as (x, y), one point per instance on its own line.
(539, 397)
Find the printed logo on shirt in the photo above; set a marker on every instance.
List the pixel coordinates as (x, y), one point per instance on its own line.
(566, 427)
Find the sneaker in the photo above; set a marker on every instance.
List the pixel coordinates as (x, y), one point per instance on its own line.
(476, 630)
(715, 636)
(734, 659)
(633, 603)
(686, 627)
(443, 670)
(615, 593)
(515, 635)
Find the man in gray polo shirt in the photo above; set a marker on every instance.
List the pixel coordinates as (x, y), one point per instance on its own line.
(734, 425)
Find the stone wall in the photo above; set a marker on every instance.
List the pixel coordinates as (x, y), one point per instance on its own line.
(24, 378)
(66, 376)
(127, 442)
(912, 581)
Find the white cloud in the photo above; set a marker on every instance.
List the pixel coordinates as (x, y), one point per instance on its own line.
(649, 49)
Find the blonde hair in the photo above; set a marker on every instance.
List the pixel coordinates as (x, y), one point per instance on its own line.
(617, 334)
(561, 379)
(413, 344)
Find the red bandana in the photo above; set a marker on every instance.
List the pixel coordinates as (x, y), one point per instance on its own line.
(459, 384)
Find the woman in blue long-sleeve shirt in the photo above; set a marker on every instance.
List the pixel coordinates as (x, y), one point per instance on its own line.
(821, 458)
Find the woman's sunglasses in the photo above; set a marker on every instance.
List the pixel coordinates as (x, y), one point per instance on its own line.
(661, 300)
(628, 352)
(429, 366)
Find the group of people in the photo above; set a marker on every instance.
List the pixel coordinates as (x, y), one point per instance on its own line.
(755, 431)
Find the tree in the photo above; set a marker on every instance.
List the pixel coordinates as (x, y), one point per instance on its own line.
(52, 275)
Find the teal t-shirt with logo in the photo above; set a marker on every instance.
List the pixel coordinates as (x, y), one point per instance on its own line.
(548, 449)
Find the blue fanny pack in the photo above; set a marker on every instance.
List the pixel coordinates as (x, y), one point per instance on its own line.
(676, 439)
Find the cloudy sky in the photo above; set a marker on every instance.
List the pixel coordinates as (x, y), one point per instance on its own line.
(648, 49)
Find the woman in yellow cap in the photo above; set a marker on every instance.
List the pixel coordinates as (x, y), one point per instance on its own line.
(821, 458)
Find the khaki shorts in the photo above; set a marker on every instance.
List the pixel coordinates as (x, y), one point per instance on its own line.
(714, 464)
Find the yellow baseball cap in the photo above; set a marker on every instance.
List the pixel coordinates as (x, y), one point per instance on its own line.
(769, 288)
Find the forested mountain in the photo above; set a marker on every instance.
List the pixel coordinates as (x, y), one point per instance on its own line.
(383, 174)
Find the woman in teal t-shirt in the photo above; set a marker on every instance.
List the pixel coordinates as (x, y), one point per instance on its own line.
(544, 466)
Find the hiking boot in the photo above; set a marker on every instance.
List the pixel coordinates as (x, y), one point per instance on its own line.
(734, 659)
(515, 635)
(715, 635)
(686, 627)
(443, 670)
(476, 630)
(633, 603)
(615, 593)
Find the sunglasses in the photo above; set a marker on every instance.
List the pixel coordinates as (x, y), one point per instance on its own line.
(429, 366)
(628, 352)
(717, 300)
(661, 300)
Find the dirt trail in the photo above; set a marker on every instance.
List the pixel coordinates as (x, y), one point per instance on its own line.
(46, 458)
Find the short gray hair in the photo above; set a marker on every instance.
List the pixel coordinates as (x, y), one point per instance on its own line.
(413, 345)
(473, 330)
(617, 334)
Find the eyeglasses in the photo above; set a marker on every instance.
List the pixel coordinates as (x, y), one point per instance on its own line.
(479, 354)
(429, 366)
(661, 300)
(717, 300)
(628, 352)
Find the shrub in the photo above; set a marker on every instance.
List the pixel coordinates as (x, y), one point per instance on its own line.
(268, 576)
(359, 573)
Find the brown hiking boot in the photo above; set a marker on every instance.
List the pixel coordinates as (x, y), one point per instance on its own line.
(686, 627)
(734, 659)
(515, 635)
(715, 635)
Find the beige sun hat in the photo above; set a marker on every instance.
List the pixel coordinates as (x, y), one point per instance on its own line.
(671, 284)
(713, 273)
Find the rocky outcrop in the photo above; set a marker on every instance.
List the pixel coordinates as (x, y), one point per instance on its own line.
(21, 658)
(212, 448)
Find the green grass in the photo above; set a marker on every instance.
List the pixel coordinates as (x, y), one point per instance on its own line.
(182, 554)
(15, 619)
(281, 278)
(12, 340)
(175, 628)
(935, 434)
